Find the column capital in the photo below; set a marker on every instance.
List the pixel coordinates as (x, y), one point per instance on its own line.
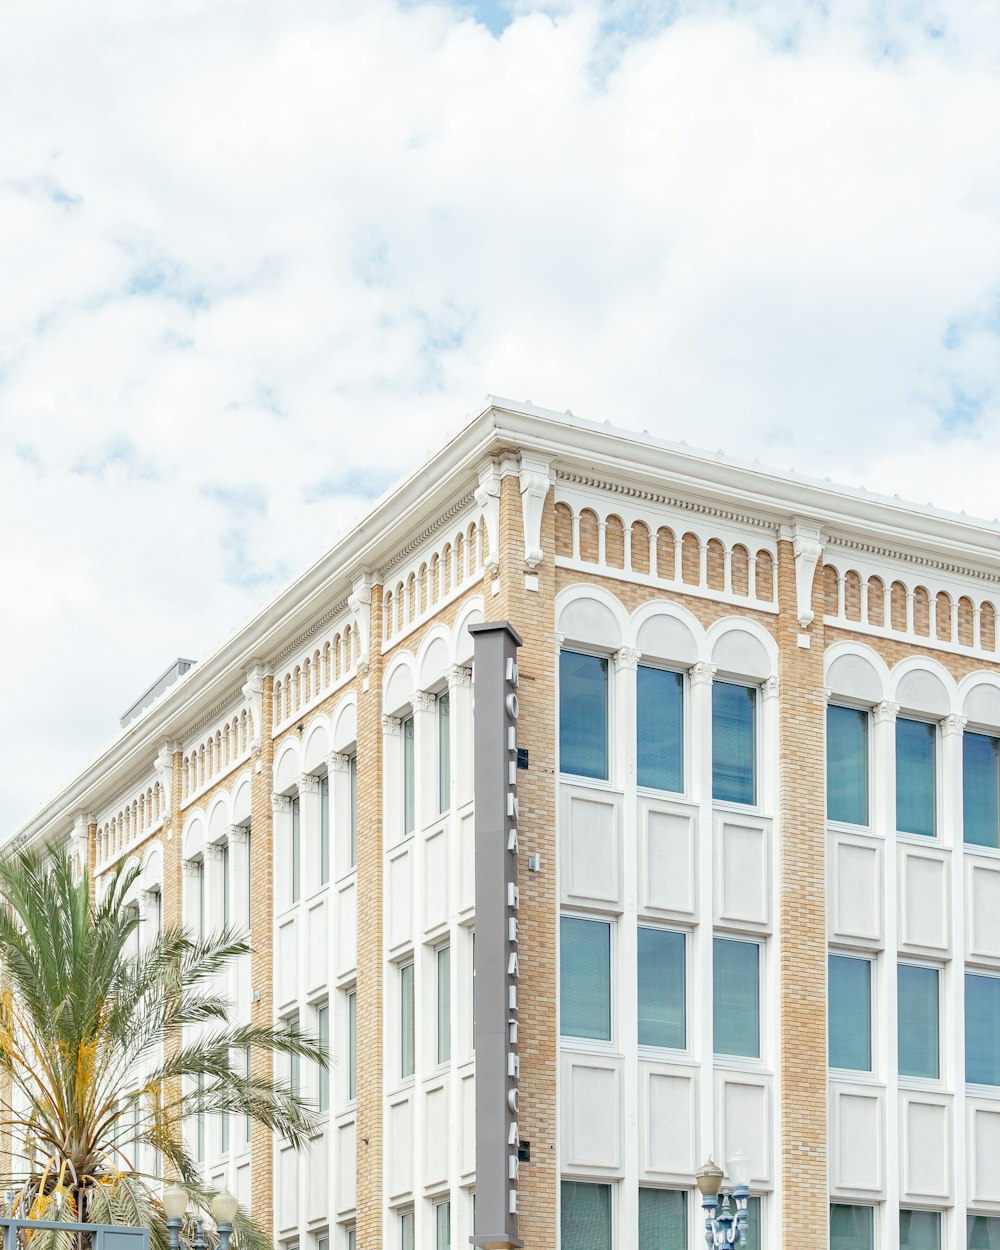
(308, 784)
(627, 658)
(191, 868)
(391, 725)
(281, 803)
(424, 701)
(953, 724)
(885, 712)
(702, 673)
(338, 762)
(148, 898)
(459, 675)
(239, 835)
(213, 850)
(770, 688)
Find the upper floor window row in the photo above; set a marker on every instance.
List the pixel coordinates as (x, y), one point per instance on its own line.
(660, 729)
(848, 776)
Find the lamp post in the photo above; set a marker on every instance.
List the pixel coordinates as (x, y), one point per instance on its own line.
(175, 1201)
(224, 1207)
(725, 1226)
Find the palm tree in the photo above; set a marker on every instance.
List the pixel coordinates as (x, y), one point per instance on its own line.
(108, 1048)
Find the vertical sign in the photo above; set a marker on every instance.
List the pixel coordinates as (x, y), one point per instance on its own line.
(497, 904)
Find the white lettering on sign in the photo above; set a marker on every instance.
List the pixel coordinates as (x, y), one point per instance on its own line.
(513, 905)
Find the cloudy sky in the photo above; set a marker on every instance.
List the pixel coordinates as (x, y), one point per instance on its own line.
(258, 257)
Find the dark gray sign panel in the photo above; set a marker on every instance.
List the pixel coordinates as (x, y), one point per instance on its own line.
(497, 904)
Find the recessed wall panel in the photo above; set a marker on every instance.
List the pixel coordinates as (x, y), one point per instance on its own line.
(858, 1140)
(742, 872)
(400, 902)
(984, 1150)
(435, 880)
(925, 1147)
(346, 1166)
(983, 908)
(924, 899)
(855, 881)
(400, 1140)
(667, 860)
(668, 1128)
(591, 851)
(591, 1124)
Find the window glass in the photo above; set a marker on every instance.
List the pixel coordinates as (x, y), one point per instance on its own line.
(246, 1073)
(918, 1021)
(983, 1232)
(847, 765)
(224, 866)
(323, 1073)
(442, 1226)
(585, 978)
(585, 1221)
(352, 1239)
(982, 1029)
(733, 742)
(295, 868)
(444, 752)
(660, 730)
(736, 997)
(662, 1219)
(916, 777)
(406, 1231)
(851, 1228)
(353, 769)
(754, 1234)
(583, 714)
(324, 830)
(352, 1045)
(199, 1122)
(919, 1230)
(661, 989)
(849, 1014)
(294, 1061)
(980, 778)
(406, 1059)
(409, 778)
(443, 959)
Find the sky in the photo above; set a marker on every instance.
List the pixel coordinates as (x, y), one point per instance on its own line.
(258, 259)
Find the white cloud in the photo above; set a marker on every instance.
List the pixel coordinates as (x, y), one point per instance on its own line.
(240, 237)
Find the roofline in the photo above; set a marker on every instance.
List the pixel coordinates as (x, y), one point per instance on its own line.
(568, 441)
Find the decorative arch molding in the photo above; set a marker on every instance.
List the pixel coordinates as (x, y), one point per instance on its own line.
(344, 722)
(399, 683)
(920, 684)
(667, 631)
(287, 767)
(854, 671)
(755, 654)
(592, 616)
(193, 838)
(434, 657)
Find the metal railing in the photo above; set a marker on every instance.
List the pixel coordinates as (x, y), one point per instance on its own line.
(99, 1236)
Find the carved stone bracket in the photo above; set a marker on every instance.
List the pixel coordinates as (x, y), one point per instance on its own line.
(81, 826)
(536, 477)
(359, 602)
(627, 658)
(487, 496)
(164, 765)
(253, 692)
(807, 543)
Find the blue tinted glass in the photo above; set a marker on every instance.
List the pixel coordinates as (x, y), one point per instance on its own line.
(915, 777)
(851, 1228)
(979, 785)
(733, 746)
(585, 1220)
(660, 730)
(661, 989)
(585, 978)
(583, 714)
(918, 1021)
(919, 1230)
(982, 1029)
(847, 765)
(736, 997)
(662, 1219)
(850, 1013)
(754, 1241)
(983, 1232)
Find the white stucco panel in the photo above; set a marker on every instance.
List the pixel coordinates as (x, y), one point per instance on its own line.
(591, 1114)
(924, 899)
(666, 858)
(854, 871)
(590, 837)
(925, 1140)
(742, 871)
(669, 1137)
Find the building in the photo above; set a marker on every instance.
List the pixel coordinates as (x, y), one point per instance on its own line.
(726, 742)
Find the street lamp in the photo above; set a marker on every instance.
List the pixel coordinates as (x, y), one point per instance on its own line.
(224, 1207)
(175, 1201)
(725, 1227)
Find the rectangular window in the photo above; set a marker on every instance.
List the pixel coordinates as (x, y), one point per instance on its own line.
(295, 867)
(246, 1118)
(199, 897)
(406, 1231)
(736, 997)
(661, 958)
(409, 779)
(199, 1123)
(660, 730)
(352, 1239)
(583, 715)
(982, 1029)
(847, 765)
(352, 1045)
(919, 1230)
(585, 1218)
(585, 978)
(353, 770)
(324, 830)
(224, 865)
(754, 1234)
(734, 745)
(983, 1232)
(443, 960)
(662, 1219)
(918, 1030)
(444, 751)
(406, 1056)
(224, 1132)
(442, 1226)
(916, 777)
(294, 1061)
(323, 1071)
(851, 1228)
(980, 788)
(849, 1013)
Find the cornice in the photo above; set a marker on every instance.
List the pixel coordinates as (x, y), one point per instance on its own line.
(141, 775)
(428, 532)
(839, 542)
(328, 617)
(668, 501)
(231, 700)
